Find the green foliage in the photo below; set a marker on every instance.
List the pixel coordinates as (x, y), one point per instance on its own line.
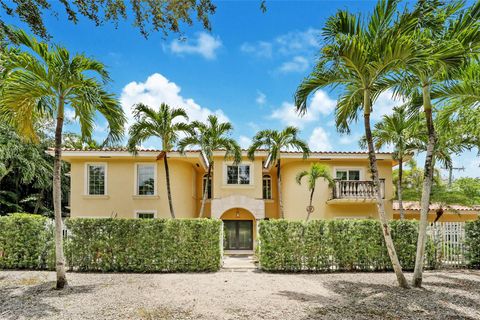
(26, 242)
(472, 241)
(162, 16)
(335, 245)
(143, 245)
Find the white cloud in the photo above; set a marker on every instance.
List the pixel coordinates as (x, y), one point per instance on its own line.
(69, 115)
(319, 140)
(204, 45)
(384, 105)
(157, 89)
(261, 49)
(291, 43)
(320, 104)
(261, 98)
(244, 142)
(296, 64)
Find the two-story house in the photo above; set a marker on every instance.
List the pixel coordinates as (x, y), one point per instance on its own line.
(115, 183)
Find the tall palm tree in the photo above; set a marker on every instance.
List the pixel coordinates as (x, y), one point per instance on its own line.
(43, 81)
(162, 124)
(447, 37)
(358, 57)
(275, 142)
(211, 136)
(315, 172)
(400, 130)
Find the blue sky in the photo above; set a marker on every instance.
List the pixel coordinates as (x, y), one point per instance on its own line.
(246, 70)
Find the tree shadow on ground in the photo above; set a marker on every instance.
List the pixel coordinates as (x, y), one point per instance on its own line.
(443, 297)
(28, 301)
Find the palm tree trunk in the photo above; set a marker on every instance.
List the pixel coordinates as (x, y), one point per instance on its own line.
(310, 205)
(380, 203)
(57, 200)
(399, 188)
(427, 187)
(169, 191)
(279, 190)
(205, 192)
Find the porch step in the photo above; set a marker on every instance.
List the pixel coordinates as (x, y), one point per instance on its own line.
(238, 263)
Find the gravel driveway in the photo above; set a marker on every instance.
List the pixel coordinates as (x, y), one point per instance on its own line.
(238, 295)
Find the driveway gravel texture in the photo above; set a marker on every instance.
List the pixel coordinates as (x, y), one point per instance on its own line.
(238, 295)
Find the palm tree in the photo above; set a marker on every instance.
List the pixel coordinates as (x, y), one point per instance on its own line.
(448, 38)
(162, 124)
(275, 142)
(43, 81)
(209, 137)
(401, 130)
(315, 172)
(359, 57)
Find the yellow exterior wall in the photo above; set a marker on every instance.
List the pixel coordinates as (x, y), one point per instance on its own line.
(186, 182)
(296, 197)
(448, 216)
(121, 200)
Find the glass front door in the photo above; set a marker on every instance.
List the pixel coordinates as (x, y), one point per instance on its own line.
(238, 235)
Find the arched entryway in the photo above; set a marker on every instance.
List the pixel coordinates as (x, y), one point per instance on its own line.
(240, 227)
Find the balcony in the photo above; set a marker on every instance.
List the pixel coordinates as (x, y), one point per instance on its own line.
(354, 191)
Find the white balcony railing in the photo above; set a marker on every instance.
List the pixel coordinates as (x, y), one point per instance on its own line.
(354, 189)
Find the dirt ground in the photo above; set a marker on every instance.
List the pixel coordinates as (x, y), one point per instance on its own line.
(238, 295)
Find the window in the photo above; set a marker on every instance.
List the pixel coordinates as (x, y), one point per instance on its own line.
(96, 179)
(209, 191)
(348, 174)
(145, 215)
(146, 179)
(267, 187)
(238, 174)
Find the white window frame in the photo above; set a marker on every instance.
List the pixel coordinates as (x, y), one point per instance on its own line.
(135, 184)
(361, 171)
(243, 163)
(86, 179)
(137, 212)
(267, 177)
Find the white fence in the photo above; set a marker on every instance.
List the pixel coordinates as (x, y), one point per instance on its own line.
(449, 241)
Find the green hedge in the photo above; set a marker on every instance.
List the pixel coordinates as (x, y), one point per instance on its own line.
(472, 241)
(336, 245)
(143, 245)
(26, 242)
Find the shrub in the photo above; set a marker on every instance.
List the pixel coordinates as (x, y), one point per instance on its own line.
(472, 241)
(144, 245)
(26, 242)
(335, 245)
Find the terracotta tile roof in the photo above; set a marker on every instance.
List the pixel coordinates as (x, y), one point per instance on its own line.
(120, 149)
(415, 206)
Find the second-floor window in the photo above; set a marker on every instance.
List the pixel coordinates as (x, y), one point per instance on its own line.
(209, 191)
(350, 174)
(146, 179)
(96, 179)
(267, 187)
(238, 174)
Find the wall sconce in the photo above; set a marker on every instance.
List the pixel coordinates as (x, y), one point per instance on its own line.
(238, 214)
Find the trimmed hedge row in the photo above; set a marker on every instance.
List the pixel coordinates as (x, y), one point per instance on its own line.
(144, 245)
(472, 241)
(26, 242)
(336, 245)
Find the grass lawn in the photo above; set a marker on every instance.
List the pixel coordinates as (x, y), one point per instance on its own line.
(238, 295)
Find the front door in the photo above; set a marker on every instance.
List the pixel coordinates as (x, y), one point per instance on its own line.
(238, 234)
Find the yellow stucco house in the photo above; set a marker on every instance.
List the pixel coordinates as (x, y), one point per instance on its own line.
(114, 183)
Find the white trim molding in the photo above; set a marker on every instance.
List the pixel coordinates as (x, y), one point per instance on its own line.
(86, 191)
(243, 163)
(255, 206)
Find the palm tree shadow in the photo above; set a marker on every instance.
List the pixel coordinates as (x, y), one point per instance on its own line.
(28, 302)
(441, 298)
